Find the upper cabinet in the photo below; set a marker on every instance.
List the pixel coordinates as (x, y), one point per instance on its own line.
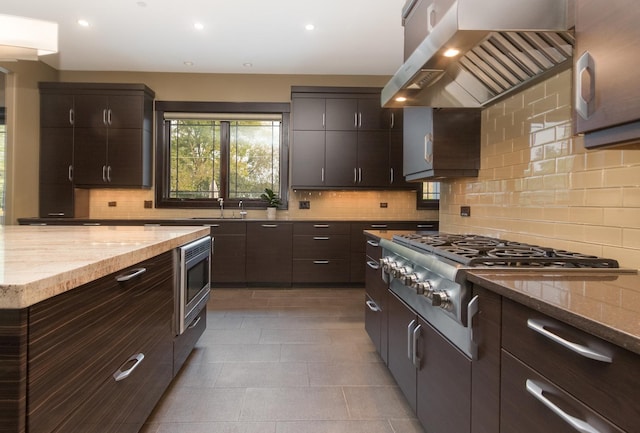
(607, 86)
(342, 138)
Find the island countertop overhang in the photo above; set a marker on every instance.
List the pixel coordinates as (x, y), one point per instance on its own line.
(39, 262)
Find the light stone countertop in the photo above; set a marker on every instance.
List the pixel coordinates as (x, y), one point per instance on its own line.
(38, 262)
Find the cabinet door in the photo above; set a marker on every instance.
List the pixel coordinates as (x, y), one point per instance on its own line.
(91, 111)
(341, 114)
(126, 111)
(609, 86)
(90, 156)
(341, 158)
(395, 124)
(228, 261)
(308, 159)
(56, 110)
(370, 114)
(308, 114)
(401, 323)
(444, 384)
(373, 158)
(376, 307)
(56, 161)
(269, 252)
(125, 158)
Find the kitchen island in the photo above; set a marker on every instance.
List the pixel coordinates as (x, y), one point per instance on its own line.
(68, 322)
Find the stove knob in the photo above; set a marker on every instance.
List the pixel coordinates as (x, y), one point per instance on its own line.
(385, 262)
(409, 279)
(440, 299)
(422, 287)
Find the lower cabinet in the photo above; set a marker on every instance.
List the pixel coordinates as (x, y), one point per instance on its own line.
(269, 252)
(320, 252)
(375, 312)
(229, 253)
(434, 376)
(101, 356)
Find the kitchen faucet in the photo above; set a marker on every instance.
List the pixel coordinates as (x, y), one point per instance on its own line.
(221, 201)
(243, 213)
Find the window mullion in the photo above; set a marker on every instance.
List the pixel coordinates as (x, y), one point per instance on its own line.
(225, 149)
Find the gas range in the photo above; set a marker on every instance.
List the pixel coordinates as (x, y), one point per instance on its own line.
(426, 270)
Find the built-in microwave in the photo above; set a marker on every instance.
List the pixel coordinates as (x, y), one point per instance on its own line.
(193, 281)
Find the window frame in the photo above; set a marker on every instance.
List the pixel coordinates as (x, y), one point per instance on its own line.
(163, 160)
(422, 204)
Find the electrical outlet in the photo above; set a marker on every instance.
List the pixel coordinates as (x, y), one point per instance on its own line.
(113, 204)
(304, 204)
(148, 204)
(465, 211)
(384, 205)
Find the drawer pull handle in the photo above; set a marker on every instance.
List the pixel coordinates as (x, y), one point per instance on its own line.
(574, 347)
(410, 340)
(123, 374)
(321, 238)
(373, 243)
(373, 265)
(415, 359)
(195, 322)
(576, 423)
(321, 262)
(373, 307)
(321, 226)
(270, 226)
(130, 275)
(379, 226)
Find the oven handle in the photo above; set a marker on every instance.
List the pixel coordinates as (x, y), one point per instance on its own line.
(195, 322)
(578, 424)
(372, 306)
(410, 339)
(574, 347)
(415, 358)
(130, 275)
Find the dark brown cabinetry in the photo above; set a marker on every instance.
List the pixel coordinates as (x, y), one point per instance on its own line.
(607, 87)
(554, 375)
(375, 312)
(93, 135)
(432, 373)
(341, 139)
(229, 253)
(269, 253)
(100, 356)
(441, 143)
(320, 252)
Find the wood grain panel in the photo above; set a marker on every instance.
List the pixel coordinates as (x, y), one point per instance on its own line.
(13, 370)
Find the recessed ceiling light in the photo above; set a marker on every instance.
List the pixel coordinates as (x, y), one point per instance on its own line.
(401, 99)
(198, 26)
(188, 63)
(309, 27)
(451, 52)
(83, 23)
(142, 4)
(247, 65)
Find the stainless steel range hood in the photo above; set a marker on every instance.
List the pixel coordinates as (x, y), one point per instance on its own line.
(504, 45)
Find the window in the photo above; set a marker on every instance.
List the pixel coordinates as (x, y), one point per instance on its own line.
(429, 195)
(211, 151)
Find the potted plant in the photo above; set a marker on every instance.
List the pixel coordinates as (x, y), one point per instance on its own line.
(273, 201)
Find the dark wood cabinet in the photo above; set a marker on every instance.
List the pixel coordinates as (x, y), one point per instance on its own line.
(110, 130)
(342, 138)
(607, 87)
(441, 143)
(320, 252)
(269, 252)
(100, 356)
(229, 253)
(375, 312)
(575, 383)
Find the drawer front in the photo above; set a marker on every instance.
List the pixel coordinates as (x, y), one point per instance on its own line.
(526, 397)
(183, 344)
(235, 228)
(607, 387)
(321, 228)
(321, 271)
(373, 249)
(321, 247)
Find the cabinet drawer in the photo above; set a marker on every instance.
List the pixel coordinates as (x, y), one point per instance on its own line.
(183, 344)
(321, 247)
(238, 228)
(522, 408)
(321, 271)
(373, 249)
(321, 228)
(608, 387)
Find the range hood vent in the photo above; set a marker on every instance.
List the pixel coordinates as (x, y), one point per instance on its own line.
(516, 51)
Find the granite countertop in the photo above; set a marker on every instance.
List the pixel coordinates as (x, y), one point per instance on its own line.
(605, 304)
(38, 262)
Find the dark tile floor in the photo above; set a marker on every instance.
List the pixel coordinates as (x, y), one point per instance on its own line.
(284, 361)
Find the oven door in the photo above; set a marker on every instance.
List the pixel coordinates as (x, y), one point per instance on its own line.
(194, 281)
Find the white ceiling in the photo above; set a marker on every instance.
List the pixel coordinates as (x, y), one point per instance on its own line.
(352, 37)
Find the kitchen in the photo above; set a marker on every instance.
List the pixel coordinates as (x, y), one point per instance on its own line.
(537, 183)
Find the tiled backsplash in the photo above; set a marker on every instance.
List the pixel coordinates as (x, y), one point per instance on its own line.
(347, 205)
(538, 184)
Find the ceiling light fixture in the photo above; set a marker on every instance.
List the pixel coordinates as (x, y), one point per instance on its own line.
(198, 26)
(309, 27)
(188, 63)
(247, 65)
(451, 52)
(401, 99)
(26, 38)
(83, 23)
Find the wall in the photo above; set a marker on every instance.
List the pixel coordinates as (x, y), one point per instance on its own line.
(538, 184)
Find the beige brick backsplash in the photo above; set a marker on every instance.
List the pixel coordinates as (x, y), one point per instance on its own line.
(539, 184)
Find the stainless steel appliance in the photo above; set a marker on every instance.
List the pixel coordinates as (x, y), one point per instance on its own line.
(426, 271)
(193, 281)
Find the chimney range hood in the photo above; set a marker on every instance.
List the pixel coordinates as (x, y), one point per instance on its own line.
(503, 44)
